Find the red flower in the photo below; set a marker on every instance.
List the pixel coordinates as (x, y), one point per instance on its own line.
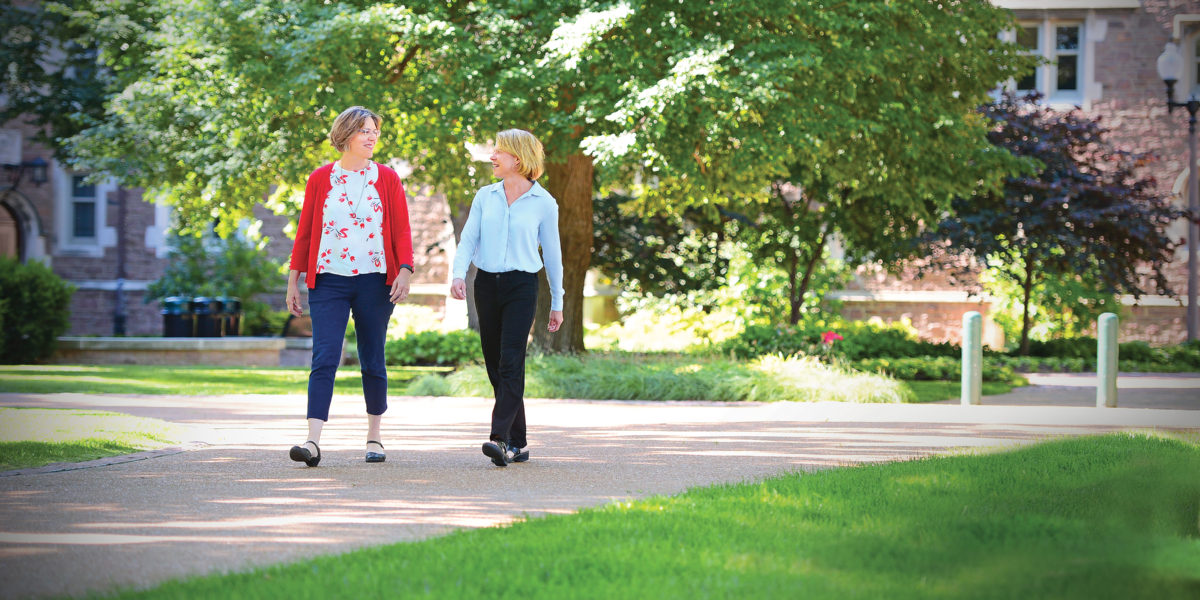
(829, 337)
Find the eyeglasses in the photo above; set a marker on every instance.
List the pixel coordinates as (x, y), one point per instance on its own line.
(374, 132)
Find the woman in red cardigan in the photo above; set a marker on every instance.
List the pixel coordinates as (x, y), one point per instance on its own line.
(354, 246)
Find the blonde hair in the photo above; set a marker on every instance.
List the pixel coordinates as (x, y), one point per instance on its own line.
(528, 150)
(348, 123)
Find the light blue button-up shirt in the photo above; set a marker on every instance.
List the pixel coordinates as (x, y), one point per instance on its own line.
(499, 237)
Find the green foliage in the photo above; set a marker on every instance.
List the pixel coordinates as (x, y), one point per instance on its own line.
(672, 253)
(680, 103)
(645, 377)
(1082, 226)
(1059, 307)
(434, 348)
(210, 265)
(925, 368)
(698, 320)
(58, 95)
(861, 340)
(1078, 347)
(35, 310)
(430, 385)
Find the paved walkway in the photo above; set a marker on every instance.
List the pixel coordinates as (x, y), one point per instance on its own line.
(234, 501)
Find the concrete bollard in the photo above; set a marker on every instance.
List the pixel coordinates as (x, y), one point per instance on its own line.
(1106, 361)
(972, 358)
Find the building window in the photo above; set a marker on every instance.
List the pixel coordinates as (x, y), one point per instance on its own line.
(1195, 67)
(83, 208)
(1066, 58)
(1061, 46)
(1029, 39)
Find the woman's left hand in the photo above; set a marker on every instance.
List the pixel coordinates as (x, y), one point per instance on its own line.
(555, 321)
(400, 287)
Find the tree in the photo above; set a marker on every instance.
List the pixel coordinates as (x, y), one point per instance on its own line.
(55, 75)
(657, 254)
(682, 103)
(1083, 220)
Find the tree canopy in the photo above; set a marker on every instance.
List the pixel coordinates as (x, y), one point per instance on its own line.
(677, 103)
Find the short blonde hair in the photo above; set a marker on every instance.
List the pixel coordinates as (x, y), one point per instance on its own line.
(348, 123)
(531, 157)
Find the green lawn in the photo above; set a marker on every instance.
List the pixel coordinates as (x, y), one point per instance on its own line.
(180, 380)
(936, 391)
(32, 437)
(1100, 517)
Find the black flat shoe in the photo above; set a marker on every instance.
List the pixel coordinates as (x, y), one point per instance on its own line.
(375, 456)
(304, 455)
(519, 455)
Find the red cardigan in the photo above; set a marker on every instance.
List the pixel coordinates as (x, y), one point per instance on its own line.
(397, 237)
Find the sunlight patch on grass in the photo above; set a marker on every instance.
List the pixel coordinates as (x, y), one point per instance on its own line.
(31, 437)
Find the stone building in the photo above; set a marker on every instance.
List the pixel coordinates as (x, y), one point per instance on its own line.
(1102, 57)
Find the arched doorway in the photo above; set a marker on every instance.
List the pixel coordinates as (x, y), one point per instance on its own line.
(10, 234)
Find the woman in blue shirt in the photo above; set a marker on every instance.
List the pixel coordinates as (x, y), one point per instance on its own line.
(508, 221)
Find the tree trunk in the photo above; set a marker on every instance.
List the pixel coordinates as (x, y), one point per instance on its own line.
(793, 303)
(571, 184)
(1027, 293)
(458, 220)
(818, 251)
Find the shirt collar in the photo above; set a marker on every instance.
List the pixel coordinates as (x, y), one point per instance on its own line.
(536, 190)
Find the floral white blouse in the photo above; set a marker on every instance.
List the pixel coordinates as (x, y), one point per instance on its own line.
(352, 231)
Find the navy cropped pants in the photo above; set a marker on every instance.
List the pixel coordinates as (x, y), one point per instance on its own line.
(331, 302)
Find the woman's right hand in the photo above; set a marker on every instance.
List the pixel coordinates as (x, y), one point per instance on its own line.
(458, 289)
(292, 300)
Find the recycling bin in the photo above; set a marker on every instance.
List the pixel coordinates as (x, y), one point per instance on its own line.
(178, 320)
(231, 309)
(210, 322)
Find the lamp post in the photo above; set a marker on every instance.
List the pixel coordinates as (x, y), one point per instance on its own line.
(1169, 67)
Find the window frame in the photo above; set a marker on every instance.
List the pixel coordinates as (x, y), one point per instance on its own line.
(1046, 75)
(73, 206)
(66, 243)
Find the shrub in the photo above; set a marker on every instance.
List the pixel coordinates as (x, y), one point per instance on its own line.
(1186, 355)
(434, 348)
(36, 310)
(1079, 347)
(429, 385)
(861, 340)
(1139, 352)
(642, 377)
(264, 322)
(933, 368)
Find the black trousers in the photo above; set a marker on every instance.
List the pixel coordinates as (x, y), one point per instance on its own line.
(506, 303)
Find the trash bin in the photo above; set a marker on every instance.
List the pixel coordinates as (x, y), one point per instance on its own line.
(231, 308)
(209, 322)
(178, 320)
